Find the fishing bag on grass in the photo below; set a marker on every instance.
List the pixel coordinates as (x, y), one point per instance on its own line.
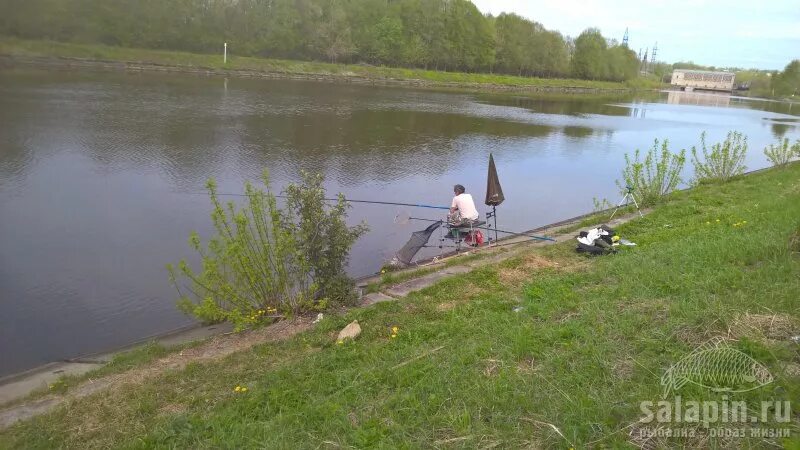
(597, 241)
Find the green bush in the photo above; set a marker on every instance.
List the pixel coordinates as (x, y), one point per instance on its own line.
(323, 238)
(656, 176)
(724, 161)
(267, 262)
(781, 153)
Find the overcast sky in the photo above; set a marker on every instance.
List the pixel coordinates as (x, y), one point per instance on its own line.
(762, 34)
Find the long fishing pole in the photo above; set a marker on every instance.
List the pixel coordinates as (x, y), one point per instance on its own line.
(532, 236)
(374, 202)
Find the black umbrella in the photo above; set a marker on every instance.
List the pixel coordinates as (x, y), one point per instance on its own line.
(494, 193)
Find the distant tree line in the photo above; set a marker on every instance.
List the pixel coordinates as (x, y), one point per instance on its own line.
(450, 35)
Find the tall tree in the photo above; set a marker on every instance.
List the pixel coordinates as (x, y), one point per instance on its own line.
(589, 58)
(787, 83)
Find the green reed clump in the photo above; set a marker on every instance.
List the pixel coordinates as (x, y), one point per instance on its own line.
(781, 153)
(267, 262)
(654, 177)
(723, 161)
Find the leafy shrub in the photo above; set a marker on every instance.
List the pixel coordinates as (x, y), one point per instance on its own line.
(323, 238)
(723, 162)
(266, 262)
(780, 154)
(656, 176)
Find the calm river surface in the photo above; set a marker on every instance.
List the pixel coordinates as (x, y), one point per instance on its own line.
(99, 175)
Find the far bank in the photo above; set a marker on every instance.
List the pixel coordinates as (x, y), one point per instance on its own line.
(57, 55)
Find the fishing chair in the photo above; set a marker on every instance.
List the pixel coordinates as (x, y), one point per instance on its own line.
(465, 232)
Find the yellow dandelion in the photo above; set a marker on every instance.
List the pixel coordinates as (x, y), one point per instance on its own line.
(340, 342)
(395, 330)
(717, 220)
(237, 389)
(244, 389)
(394, 336)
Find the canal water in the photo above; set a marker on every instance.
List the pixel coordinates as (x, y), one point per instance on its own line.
(102, 174)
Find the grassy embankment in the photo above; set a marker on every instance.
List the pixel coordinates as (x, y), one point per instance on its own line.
(28, 48)
(591, 341)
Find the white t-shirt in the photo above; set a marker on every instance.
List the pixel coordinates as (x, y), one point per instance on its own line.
(466, 206)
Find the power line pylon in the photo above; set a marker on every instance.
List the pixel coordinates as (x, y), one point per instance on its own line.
(653, 55)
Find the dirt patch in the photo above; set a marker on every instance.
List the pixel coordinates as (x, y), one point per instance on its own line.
(446, 306)
(531, 263)
(492, 367)
(776, 327)
(623, 369)
(526, 365)
(171, 409)
(513, 276)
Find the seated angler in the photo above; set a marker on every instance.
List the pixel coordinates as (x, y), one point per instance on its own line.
(462, 209)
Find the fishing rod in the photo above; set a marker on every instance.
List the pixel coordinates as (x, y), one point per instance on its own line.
(403, 219)
(532, 236)
(374, 202)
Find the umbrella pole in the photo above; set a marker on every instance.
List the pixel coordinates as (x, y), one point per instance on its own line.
(494, 214)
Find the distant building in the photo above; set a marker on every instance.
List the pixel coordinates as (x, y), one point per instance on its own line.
(702, 79)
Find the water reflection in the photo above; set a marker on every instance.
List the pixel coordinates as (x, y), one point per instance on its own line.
(779, 130)
(698, 99)
(99, 171)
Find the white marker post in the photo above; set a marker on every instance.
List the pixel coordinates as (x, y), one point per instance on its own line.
(225, 54)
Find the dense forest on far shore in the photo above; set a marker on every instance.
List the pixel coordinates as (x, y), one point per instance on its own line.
(449, 35)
